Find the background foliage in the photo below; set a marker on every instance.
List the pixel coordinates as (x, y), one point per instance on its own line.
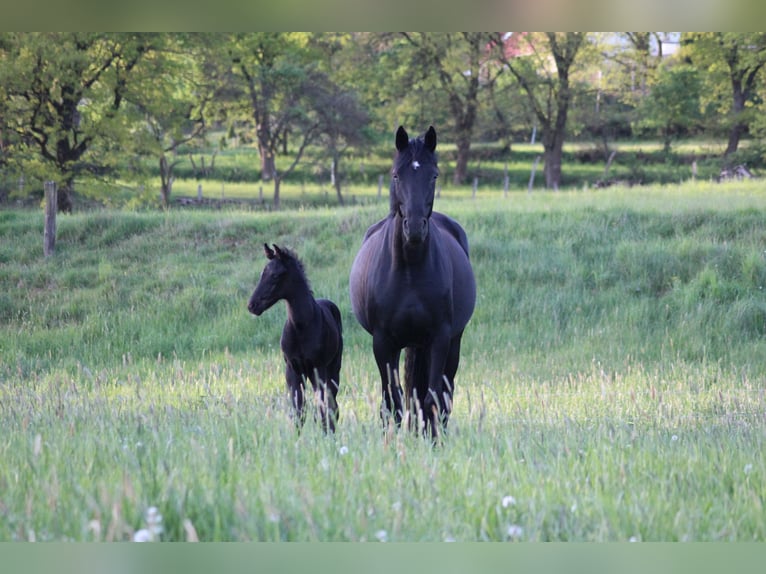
(109, 115)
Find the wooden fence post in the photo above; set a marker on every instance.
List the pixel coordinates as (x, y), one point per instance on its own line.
(532, 175)
(505, 180)
(51, 206)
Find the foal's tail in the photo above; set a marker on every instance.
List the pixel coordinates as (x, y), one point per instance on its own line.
(415, 380)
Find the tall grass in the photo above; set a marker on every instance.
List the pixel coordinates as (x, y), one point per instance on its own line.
(610, 388)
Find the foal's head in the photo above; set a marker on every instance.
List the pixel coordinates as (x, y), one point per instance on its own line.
(282, 275)
(414, 183)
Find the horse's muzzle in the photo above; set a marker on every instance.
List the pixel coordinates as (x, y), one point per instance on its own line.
(254, 308)
(415, 229)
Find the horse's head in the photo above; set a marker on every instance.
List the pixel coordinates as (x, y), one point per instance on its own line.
(274, 277)
(414, 183)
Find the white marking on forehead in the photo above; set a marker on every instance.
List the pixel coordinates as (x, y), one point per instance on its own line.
(415, 164)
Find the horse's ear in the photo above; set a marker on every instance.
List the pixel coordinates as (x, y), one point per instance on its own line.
(402, 139)
(277, 250)
(430, 139)
(267, 250)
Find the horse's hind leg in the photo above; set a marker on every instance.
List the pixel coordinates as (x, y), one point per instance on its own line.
(441, 388)
(450, 367)
(416, 385)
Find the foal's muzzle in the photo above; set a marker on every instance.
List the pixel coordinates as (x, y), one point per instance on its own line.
(254, 308)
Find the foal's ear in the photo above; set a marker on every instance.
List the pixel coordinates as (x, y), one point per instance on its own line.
(277, 250)
(402, 139)
(430, 139)
(267, 250)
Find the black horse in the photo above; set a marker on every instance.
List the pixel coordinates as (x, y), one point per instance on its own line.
(412, 286)
(312, 338)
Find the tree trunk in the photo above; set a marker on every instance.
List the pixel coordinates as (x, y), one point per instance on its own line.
(166, 179)
(667, 138)
(735, 133)
(65, 201)
(738, 107)
(463, 152)
(553, 146)
(266, 152)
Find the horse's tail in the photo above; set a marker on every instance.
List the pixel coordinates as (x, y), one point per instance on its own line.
(415, 380)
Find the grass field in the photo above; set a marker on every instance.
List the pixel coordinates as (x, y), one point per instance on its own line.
(612, 384)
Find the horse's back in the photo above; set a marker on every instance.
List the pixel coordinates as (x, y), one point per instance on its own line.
(334, 312)
(452, 227)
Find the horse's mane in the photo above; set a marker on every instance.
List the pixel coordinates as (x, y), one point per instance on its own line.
(289, 256)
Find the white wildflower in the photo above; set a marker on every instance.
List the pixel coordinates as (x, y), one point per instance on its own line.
(674, 438)
(343, 450)
(143, 535)
(508, 501)
(382, 535)
(633, 539)
(153, 530)
(514, 532)
(748, 468)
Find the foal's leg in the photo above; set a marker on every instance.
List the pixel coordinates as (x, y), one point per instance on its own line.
(295, 391)
(387, 358)
(333, 385)
(328, 407)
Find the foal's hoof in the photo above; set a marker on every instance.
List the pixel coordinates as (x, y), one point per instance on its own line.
(436, 414)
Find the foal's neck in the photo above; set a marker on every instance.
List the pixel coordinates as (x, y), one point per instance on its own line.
(301, 304)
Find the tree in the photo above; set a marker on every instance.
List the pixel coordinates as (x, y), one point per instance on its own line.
(343, 119)
(63, 92)
(673, 104)
(177, 101)
(458, 61)
(734, 63)
(543, 64)
(273, 70)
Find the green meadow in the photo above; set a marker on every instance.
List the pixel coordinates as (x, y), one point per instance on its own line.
(612, 384)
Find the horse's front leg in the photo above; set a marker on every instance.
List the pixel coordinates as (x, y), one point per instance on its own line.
(295, 390)
(387, 357)
(438, 402)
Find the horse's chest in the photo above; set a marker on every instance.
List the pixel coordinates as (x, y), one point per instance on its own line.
(414, 308)
(304, 349)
